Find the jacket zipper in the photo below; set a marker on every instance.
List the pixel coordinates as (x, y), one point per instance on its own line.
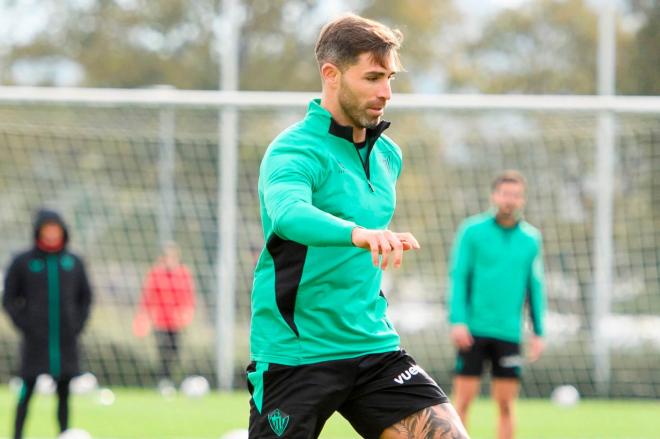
(365, 166)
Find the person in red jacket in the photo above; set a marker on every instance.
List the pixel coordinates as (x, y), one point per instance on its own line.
(167, 305)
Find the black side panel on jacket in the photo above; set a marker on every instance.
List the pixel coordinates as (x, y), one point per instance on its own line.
(289, 258)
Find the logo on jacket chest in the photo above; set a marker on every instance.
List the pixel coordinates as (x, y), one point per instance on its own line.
(67, 262)
(340, 165)
(36, 265)
(387, 162)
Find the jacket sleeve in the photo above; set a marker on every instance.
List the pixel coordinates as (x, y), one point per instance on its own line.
(289, 176)
(537, 291)
(459, 276)
(83, 299)
(13, 299)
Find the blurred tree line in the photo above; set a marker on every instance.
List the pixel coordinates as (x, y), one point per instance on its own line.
(544, 46)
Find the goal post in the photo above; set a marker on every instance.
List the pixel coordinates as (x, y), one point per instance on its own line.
(130, 169)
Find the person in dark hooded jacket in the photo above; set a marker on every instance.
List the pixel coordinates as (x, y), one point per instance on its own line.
(48, 297)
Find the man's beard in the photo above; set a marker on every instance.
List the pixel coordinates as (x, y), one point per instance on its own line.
(351, 107)
(510, 213)
(504, 211)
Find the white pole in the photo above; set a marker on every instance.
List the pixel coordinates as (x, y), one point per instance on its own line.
(148, 98)
(166, 163)
(603, 234)
(228, 136)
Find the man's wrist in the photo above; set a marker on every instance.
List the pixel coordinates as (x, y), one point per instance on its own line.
(353, 231)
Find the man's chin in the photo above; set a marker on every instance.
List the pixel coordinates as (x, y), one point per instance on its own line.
(371, 123)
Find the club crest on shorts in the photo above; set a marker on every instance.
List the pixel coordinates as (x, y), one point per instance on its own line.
(278, 421)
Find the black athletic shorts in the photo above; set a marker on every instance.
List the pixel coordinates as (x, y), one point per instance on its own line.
(503, 356)
(372, 392)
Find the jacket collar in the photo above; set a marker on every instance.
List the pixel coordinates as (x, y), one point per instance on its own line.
(316, 112)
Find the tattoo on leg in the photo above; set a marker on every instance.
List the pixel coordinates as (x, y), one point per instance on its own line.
(430, 423)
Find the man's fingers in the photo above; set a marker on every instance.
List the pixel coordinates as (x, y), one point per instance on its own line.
(397, 249)
(408, 240)
(385, 249)
(533, 355)
(375, 250)
(463, 342)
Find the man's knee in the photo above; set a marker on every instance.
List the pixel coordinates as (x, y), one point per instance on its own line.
(505, 407)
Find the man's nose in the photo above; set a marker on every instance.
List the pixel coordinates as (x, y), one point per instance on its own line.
(385, 90)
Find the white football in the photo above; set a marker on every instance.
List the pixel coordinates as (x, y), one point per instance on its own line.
(74, 433)
(84, 384)
(106, 396)
(565, 396)
(195, 386)
(45, 385)
(15, 384)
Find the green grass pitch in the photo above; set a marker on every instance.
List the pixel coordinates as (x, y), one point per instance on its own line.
(143, 414)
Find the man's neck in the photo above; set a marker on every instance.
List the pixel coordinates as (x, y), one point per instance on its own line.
(359, 134)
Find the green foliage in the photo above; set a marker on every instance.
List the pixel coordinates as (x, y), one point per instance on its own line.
(550, 47)
(430, 32)
(131, 44)
(638, 68)
(546, 46)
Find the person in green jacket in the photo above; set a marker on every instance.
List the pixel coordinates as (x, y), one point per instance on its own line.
(496, 268)
(320, 340)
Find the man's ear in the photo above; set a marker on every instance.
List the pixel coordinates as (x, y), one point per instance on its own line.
(330, 74)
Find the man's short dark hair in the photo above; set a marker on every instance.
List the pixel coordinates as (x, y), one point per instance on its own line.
(345, 38)
(509, 176)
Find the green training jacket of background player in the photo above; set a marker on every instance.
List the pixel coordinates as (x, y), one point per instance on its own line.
(494, 270)
(315, 296)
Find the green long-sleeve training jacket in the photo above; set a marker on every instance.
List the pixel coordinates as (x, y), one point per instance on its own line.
(494, 271)
(315, 296)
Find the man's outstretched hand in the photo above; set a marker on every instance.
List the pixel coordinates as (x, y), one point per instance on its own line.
(390, 245)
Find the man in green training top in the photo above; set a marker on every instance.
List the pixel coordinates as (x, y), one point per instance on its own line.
(321, 341)
(497, 266)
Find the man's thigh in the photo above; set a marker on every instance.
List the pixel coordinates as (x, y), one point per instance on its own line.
(470, 362)
(294, 401)
(438, 422)
(389, 387)
(506, 359)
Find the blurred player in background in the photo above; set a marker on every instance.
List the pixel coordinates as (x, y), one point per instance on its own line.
(167, 304)
(48, 297)
(321, 340)
(497, 267)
